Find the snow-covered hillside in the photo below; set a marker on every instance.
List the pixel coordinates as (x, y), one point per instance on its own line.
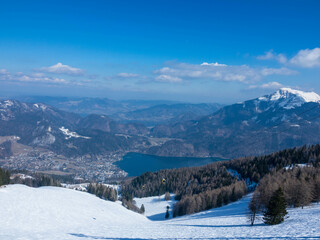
(58, 213)
(156, 207)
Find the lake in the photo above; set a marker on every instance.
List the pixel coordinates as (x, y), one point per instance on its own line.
(136, 163)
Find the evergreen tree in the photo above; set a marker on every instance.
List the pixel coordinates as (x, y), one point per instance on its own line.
(167, 213)
(142, 209)
(4, 177)
(276, 209)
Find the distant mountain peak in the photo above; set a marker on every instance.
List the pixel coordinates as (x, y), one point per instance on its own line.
(288, 92)
(289, 98)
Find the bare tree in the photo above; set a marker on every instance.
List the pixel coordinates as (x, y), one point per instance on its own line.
(254, 207)
(167, 196)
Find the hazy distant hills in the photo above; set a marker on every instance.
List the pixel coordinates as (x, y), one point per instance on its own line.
(149, 113)
(165, 113)
(284, 119)
(87, 105)
(106, 124)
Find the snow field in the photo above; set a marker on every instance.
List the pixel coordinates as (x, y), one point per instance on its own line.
(59, 213)
(155, 207)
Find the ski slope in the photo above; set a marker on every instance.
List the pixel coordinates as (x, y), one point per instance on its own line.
(59, 213)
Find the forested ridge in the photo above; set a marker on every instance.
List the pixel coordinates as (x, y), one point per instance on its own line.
(216, 184)
(254, 168)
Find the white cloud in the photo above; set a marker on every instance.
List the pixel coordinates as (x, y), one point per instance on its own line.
(127, 75)
(168, 78)
(3, 71)
(269, 85)
(307, 58)
(278, 71)
(178, 72)
(235, 77)
(38, 74)
(28, 78)
(59, 68)
(215, 72)
(213, 64)
(36, 77)
(270, 55)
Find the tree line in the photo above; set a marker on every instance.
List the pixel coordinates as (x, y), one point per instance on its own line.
(209, 199)
(300, 186)
(196, 188)
(36, 180)
(102, 191)
(182, 181)
(254, 168)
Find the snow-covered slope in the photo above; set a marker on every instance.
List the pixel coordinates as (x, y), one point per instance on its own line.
(58, 213)
(156, 207)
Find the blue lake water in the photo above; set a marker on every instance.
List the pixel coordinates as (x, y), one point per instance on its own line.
(136, 163)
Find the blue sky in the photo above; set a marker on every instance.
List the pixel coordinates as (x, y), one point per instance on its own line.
(197, 51)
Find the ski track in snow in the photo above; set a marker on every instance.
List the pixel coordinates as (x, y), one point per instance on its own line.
(58, 214)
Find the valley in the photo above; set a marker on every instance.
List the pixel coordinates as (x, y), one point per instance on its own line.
(39, 137)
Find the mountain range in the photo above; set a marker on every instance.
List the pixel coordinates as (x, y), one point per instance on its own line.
(283, 119)
(147, 112)
(40, 125)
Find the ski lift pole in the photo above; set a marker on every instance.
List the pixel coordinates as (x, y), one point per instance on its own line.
(164, 181)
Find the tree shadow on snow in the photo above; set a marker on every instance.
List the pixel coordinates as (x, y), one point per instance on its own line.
(221, 226)
(210, 238)
(158, 217)
(239, 208)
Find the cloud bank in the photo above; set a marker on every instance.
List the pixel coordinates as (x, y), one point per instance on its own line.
(180, 72)
(34, 77)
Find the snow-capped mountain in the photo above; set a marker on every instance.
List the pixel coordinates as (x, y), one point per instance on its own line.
(289, 98)
(13, 109)
(35, 123)
(284, 119)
